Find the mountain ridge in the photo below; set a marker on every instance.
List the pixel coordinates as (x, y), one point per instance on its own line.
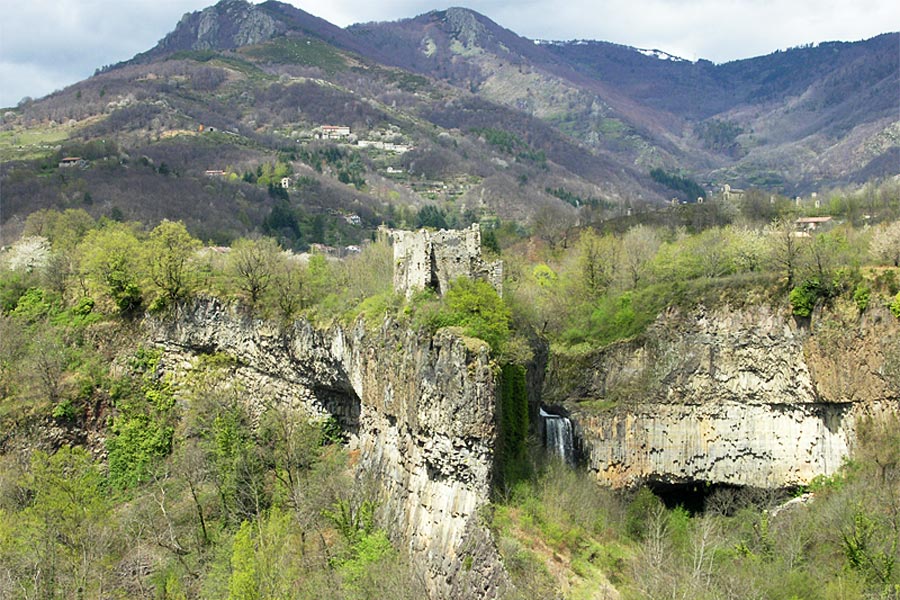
(497, 124)
(658, 106)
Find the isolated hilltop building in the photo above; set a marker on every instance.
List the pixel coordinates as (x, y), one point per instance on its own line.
(333, 132)
(730, 193)
(433, 259)
(808, 225)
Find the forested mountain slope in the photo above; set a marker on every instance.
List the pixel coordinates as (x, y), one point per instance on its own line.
(489, 124)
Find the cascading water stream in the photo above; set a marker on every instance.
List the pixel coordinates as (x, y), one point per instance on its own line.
(558, 436)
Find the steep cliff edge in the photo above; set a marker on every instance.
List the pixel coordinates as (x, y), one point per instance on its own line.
(744, 397)
(420, 409)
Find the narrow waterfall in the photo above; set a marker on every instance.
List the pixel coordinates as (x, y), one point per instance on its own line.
(558, 436)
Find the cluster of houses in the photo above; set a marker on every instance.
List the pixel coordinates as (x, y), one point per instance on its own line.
(333, 251)
(807, 226)
(350, 218)
(343, 133)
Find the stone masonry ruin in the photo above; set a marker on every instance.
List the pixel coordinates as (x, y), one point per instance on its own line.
(433, 259)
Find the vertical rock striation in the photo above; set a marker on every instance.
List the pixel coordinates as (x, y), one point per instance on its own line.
(421, 410)
(737, 397)
(427, 429)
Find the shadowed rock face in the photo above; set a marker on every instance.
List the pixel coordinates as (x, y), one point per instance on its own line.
(729, 397)
(420, 409)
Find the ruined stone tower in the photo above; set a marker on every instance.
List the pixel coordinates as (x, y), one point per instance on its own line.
(435, 258)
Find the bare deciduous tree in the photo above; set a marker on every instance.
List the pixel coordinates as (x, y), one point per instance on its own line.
(786, 248)
(598, 260)
(253, 263)
(48, 354)
(885, 243)
(639, 245)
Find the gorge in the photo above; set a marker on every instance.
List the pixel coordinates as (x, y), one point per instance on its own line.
(740, 398)
(420, 411)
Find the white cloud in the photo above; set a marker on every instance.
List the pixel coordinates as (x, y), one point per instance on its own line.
(24, 79)
(48, 44)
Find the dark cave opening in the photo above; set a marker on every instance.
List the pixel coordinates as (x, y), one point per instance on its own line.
(344, 406)
(698, 497)
(690, 495)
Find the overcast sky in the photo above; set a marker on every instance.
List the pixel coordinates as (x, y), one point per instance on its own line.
(48, 44)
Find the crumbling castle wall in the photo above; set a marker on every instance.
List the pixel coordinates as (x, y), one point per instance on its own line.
(433, 259)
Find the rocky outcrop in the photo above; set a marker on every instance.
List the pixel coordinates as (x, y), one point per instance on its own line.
(767, 445)
(420, 410)
(293, 366)
(427, 427)
(227, 25)
(743, 397)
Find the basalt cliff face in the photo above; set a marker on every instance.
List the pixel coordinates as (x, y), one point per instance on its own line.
(747, 397)
(420, 410)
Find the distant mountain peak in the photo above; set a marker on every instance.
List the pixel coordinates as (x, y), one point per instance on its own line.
(651, 52)
(226, 25)
(464, 25)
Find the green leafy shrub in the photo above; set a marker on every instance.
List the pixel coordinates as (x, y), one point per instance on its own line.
(895, 306)
(33, 305)
(474, 306)
(825, 483)
(544, 275)
(861, 550)
(12, 286)
(331, 432)
(861, 296)
(137, 442)
(887, 280)
(638, 513)
(243, 583)
(65, 410)
(125, 293)
(374, 308)
(619, 317)
(79, 316)
(367, 552)
(354, 521)
(804, 297)
(141, 432)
